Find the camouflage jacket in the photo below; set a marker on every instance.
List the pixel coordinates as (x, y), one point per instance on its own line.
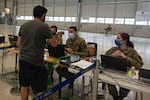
(59, 39)
(78, 45)
(132, 56)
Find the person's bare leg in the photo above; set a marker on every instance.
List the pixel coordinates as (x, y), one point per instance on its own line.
(24, 93)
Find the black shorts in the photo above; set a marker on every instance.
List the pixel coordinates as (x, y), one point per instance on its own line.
(34, 76)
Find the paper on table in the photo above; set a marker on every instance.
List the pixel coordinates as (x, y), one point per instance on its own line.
(82, 64)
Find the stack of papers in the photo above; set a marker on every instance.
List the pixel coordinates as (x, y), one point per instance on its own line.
(82, 64)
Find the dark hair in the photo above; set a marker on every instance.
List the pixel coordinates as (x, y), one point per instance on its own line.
(73, 27)
(125, 36)
(54, 26)
(38, 11)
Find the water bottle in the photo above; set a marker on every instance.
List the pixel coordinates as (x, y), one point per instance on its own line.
(131, 72)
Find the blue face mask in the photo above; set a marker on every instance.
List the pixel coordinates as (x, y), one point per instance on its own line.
(71, 35)
(117, 42)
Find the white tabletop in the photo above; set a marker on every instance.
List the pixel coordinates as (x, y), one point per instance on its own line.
(123, 81)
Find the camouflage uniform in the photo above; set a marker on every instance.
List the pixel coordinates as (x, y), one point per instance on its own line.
(78, 45)
(132, 56)
(134, 59)
(59, 38)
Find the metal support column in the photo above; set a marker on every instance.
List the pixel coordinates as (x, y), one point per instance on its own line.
(96, 14)
(5, 4)
(78, 14)
(134, 28)
(64, 25)
(54, 4)
(14, 3)
(43, 2)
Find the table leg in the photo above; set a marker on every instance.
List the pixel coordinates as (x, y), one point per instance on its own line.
(141, 95)
(59, 94)
(83, 78)
(16, 90)
(136, 95)
(16, 64)
(3, 63)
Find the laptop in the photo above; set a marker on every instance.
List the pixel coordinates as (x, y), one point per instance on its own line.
(57, 52)
(2, 39)
(144, 75)
(74, 58)
(114, 63)
(13, 39)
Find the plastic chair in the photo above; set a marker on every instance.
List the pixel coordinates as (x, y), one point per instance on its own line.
(2, 39)
(92, 49)
(12, 39)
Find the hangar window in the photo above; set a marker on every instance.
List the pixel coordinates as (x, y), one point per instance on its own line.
(141, 22)
(119, 20)
(129, 21)
(68, 19)
(56, 18)
(91, 20)
(84, 19)
(109, 20)
(73, 19)
(100, 20)
(28, 17)
(148, 22)
(20, 17)
(50, 18)
(61, 19)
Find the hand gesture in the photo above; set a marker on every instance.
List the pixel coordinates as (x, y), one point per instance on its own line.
(118, 53)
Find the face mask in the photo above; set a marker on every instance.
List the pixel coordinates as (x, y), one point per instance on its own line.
(117, 42)
(71, 35)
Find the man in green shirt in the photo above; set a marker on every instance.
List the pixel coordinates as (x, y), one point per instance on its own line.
(31, 41)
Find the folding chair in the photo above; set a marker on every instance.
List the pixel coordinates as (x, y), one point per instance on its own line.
(92, 52)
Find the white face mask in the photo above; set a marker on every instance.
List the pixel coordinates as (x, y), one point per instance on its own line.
(71, 35)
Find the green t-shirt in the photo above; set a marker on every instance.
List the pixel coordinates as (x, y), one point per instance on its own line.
(33, 38)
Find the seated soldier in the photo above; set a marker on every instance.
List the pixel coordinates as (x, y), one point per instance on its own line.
(74, 45)
(125, 49)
